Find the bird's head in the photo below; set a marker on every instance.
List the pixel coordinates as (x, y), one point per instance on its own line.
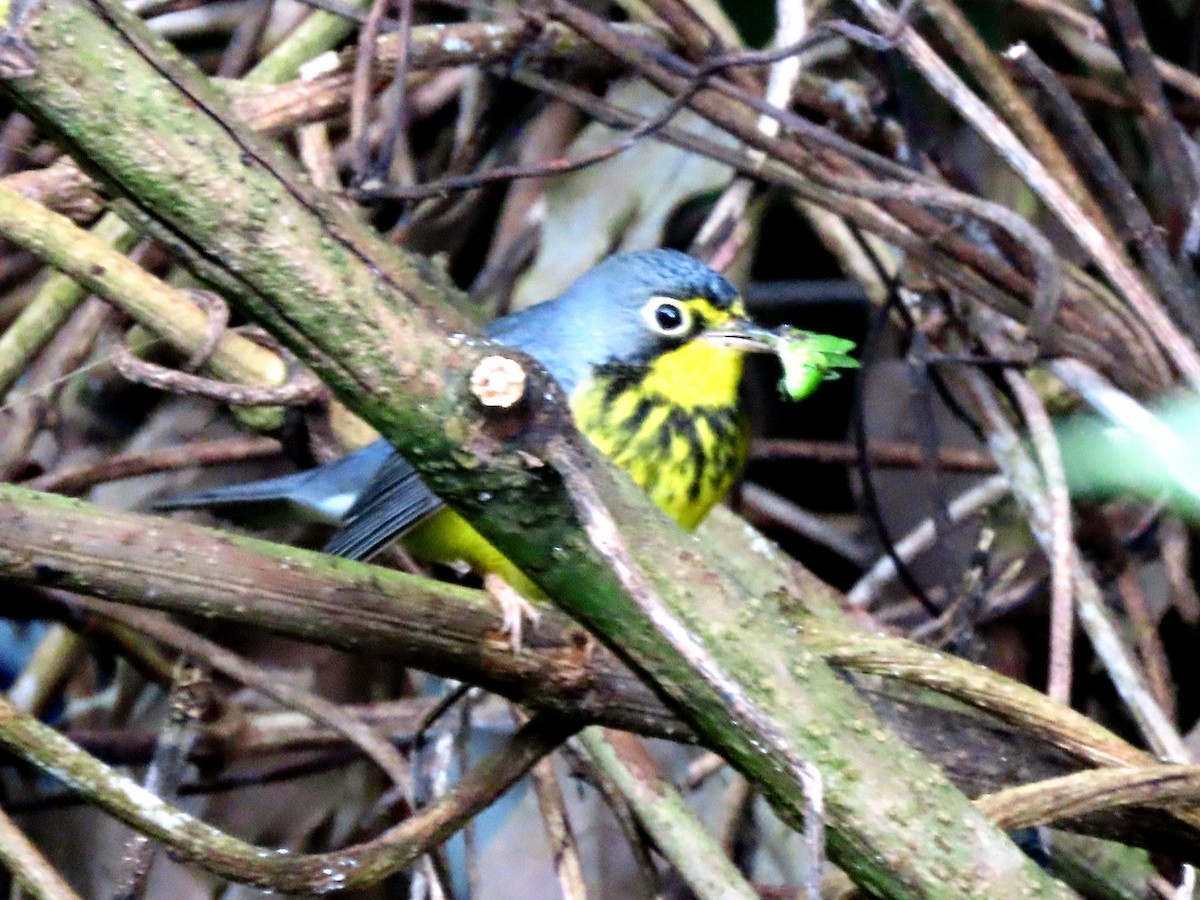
(657, 315)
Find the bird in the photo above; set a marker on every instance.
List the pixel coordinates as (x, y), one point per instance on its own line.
(649, 349)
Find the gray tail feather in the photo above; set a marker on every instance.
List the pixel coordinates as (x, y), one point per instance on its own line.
(323, 494)
(270, 490)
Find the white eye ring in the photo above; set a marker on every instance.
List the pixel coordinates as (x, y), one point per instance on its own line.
(667, 317)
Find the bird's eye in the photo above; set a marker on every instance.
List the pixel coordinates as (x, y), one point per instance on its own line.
(668, 317)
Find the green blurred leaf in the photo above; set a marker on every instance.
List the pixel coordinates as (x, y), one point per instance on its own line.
(1148, 456)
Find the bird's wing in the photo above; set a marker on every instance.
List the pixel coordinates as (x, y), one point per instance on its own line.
(394, 501)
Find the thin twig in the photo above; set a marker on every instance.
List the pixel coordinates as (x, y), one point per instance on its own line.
(373, 745)
(791, 26)
(1048, 273)
(47, 669)
(868, 587)
(1145, 633)
(196, 842)
(883, 454)
(559, 166)
(1027, 487)
(46, 381)
(622, 811)
(360, 96)
(1091, 31)
(29, 868)
(17, 131)
(1167, 139)
(564, 846)
(985, 122)
(427, 882)
(257, 734)
(1177, 560)
(965, 42)
(316, 154)
(165, 459)
(245, 40)
(1062, 613)
(1127, 212)
(759, 501)
(395, 153)
(48, 311)
(701, 862)
(702, 768)
(187, 701)
(301, 389)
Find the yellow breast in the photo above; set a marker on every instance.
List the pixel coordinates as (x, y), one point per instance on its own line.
(674, 426)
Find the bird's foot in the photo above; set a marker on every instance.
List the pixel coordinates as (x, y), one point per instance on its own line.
(515, 610)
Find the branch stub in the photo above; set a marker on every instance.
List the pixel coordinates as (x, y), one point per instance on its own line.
(498, 382)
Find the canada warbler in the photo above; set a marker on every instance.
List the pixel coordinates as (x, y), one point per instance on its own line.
(648, 348)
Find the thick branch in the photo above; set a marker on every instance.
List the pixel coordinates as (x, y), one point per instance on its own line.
(455, 632)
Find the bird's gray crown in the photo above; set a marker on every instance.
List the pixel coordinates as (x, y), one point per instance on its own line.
(598, 320)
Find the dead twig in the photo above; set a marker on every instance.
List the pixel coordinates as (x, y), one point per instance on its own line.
(1145, 633)
(1126, 34)
(1127, 281)
(539, 170)
(231, 858)
(866, 590)
(166, 459)
(1116, 194)
(883, 454)
(29, 868)
(1062, 606)
(1027, 487)
(360, 96)
(564, 846)
(374, 746)
(187, 703)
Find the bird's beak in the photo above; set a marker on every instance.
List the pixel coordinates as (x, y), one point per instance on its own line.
(744, 335)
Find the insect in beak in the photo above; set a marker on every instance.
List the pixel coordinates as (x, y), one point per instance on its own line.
(808, 358)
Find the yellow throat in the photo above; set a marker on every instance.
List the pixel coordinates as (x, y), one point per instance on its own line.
(674, 426)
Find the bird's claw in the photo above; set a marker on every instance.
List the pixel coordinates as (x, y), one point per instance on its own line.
(514, 609)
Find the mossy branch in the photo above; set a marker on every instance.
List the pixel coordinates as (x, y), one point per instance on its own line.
(455, 632)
